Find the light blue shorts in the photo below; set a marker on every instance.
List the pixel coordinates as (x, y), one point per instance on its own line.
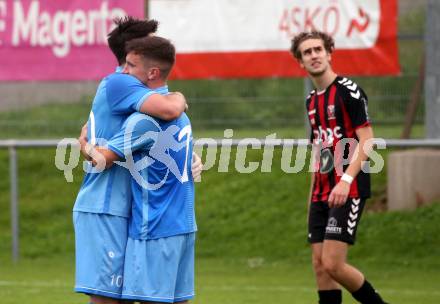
(100, 241)
(160, 270)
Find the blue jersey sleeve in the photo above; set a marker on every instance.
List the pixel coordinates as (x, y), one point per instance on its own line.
(125, 93)
(139, 132)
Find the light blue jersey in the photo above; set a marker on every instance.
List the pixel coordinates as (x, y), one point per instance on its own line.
(109, 192)
(159, 155)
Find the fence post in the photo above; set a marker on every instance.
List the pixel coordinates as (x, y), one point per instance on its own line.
(308, 87)
(432, 78)
(14, 202)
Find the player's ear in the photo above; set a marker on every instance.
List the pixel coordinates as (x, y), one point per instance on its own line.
(125, 69)
(301, 64)
(157, 73)
(153, 73)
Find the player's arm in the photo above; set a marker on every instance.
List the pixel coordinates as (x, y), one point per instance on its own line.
(313, 158)
(312, 181)
(312, 176)
(99, 156)
(126, 94)
(356, 105)
(340, 192)
(196, 167)
(102, 157)
(105, 157)
(166, 107)
(139, 132)
(363, 149)
(84, 142)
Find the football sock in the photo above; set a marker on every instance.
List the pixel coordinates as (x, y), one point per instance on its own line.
(330, 296)
(367, 295)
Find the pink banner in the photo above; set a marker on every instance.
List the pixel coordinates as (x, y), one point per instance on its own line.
(59, 40)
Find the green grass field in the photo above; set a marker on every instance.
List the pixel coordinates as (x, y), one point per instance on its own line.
(251, 242)
(225, 281)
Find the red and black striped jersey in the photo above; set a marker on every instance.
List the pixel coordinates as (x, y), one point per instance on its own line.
(334, 115)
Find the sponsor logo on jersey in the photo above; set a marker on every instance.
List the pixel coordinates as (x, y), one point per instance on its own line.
(326, 161)
(331, 112)
(332, 226)
(328, 135)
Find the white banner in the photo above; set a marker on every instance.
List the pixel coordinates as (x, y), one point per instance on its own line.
(249, 25)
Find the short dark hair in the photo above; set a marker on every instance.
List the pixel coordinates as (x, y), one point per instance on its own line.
(126, 29)
(157, 49)
(329, 43)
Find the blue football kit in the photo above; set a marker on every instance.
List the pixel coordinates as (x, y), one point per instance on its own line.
(103, 204)
(159, 260)
(118, 96)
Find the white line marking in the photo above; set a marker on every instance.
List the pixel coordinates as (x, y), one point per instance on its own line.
(34, 284)
(253, 288)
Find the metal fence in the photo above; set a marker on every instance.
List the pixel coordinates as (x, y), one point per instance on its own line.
(244, 103)
(223, 104)
(13, 145)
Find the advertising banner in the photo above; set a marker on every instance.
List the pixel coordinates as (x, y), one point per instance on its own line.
(59, 40)
(247, 38)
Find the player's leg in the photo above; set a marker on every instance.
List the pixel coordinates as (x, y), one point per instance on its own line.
(334, 261)
(340, 233)
(103, 300)
(160, 270)
(323, 280)
(100, 242)
(150, 269)
(184, 288)
(329, 291)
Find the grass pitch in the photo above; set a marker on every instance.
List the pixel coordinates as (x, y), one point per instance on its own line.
(251, 243)
(219, 281)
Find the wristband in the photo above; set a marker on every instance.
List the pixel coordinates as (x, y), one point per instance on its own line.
(347, 178)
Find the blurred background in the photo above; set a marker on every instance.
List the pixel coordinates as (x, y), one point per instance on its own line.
(257, 106)
(252, 227)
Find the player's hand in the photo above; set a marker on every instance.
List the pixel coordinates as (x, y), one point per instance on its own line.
(196, 168)
(84, 145)
(83, 135)
(183, 97)
(339, 195)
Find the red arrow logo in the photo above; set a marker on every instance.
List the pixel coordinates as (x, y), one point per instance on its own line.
(360, 24)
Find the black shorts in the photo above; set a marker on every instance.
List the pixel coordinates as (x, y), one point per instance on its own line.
(338, 224)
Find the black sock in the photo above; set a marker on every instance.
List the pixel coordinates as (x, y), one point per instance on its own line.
(330, 296)
(367, 295)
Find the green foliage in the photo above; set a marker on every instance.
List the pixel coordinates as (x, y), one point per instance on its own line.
(413, 21)
(45, 205)
(251, 245)
(46, 121)
(239, 215)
